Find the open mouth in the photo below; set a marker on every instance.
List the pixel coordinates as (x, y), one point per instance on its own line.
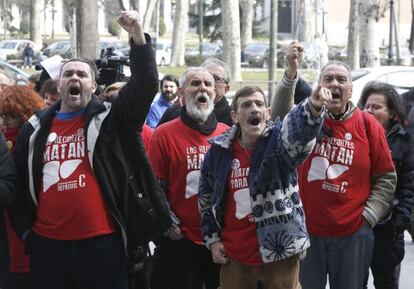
(202, 99)
(74, 90)
(255, 121)
(335, 95)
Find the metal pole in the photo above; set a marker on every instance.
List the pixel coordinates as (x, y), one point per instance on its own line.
(272, 51)
(390, 53)
(411, 45)
(200, 26)
(53, 18)
(157, 19)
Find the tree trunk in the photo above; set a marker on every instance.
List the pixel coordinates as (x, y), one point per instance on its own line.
(306, 21)
(134, 4)
(353, 33)
(149, 12)
(86, 29)
(5, 14)
(231, 37)
(72, 32)
(246, 22)
(369, 14)
(121, 5)
(35, 20)
(180, 26)
(70, 24)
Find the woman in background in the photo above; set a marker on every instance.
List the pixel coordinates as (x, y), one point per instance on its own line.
(17, 104)
(385, 104)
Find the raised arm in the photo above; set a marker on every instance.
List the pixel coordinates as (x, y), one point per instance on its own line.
(282, 100)
(136, 96)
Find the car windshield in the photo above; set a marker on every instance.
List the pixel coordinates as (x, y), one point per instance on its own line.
(209, 48)
(14, 71)
(104, 45)
(357, 74)
(59, 45)
(255, 48)
(8, 45)
(107, 44)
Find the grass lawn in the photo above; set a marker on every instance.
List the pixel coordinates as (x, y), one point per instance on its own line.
(250, 76)
(257, 77)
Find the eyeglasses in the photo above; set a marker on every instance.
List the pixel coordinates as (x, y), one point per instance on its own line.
(197, 82)
(218, 79)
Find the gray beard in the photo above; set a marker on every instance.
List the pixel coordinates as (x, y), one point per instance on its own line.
(199, 115)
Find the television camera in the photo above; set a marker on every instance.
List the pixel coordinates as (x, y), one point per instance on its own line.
(110, 66)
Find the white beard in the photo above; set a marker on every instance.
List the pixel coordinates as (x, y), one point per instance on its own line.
(199, 114)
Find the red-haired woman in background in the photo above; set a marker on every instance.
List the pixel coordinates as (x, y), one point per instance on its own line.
(17, 104)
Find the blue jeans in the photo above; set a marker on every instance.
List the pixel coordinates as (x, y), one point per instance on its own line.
(27, 61)
(94, 263)
(345, 260)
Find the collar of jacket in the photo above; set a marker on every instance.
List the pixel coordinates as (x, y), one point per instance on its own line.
(221, 104)
(94, 106)
(396, 128)
(348, 113)
(226, 139)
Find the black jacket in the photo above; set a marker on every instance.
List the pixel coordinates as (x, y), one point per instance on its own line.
(408, 98)
(389, 234)
(401, 143)
(7, 192)
(115, 151)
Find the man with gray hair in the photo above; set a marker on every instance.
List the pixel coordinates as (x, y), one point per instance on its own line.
(221, 74)
(346, 184)
(177, 152)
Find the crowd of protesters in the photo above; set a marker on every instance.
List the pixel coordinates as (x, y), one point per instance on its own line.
(306, 190)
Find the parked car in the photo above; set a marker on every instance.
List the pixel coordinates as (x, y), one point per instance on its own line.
(61, 48)
(17, 74)
(405, 56)
(15, 47)
(401, 77)
(207, 49)
(162, 53)
(257, 55)
(192, 55)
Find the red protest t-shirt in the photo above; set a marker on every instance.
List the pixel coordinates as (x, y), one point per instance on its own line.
(239, 230)
(176, 154)
(146, 136)
(71, 205)
(335, 180)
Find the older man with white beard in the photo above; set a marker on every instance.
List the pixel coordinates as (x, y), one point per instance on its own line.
(177, 152)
